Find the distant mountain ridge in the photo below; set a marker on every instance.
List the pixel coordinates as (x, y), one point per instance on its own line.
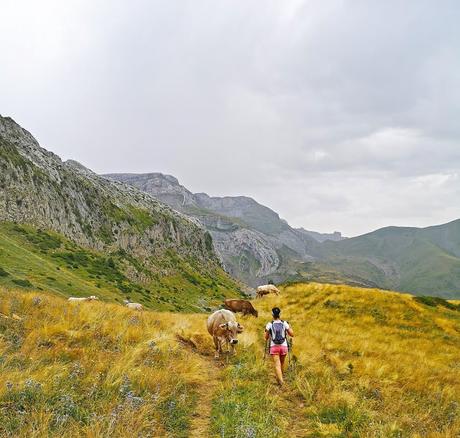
(148, 237)
(417, 260)
(254, 243)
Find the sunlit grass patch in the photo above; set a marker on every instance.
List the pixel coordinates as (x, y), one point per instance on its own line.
(91, 368)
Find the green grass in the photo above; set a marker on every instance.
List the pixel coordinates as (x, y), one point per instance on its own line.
(246, 405)
(44, 260)
(436, 301)
(138, 218)
(176, 410)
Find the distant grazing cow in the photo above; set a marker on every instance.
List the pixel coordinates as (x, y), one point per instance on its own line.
(81, 299)
(243, 306)
(267, 289)
(224, 329)
(133, 306)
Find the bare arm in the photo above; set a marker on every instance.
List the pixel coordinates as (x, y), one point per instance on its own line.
(266, 335)
(290, 332)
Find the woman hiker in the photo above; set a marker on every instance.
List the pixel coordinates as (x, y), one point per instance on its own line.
(276, 331)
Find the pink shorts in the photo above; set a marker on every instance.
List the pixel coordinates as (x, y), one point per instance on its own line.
(282, 350)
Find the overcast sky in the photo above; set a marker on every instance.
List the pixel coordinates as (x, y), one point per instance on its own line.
(339, 115)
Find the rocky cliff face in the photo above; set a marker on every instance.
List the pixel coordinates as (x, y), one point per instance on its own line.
(254, 243)
(39, 189)
(336, 236)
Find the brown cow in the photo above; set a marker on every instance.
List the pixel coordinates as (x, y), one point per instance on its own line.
(243, 306)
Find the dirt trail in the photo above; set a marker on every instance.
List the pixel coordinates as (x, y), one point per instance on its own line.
(201, 419)
(210, 371)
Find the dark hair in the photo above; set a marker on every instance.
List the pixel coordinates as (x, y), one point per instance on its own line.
(276, 312)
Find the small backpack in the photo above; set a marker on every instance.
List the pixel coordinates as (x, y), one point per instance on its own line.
(278, 332)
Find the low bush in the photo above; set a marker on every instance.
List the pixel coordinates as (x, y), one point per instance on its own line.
(436, 301)
(22, 282)
(3, 273)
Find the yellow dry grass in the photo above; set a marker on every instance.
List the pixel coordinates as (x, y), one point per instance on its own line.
(93, 369)
(368, 363)
(372, 363)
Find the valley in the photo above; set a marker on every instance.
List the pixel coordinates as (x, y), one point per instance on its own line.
(99, 368)
(229, 219)
(164, 236)
(257, 246)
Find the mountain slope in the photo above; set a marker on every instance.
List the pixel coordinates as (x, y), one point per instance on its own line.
(417, 260)
(150, 240)
(255, 244)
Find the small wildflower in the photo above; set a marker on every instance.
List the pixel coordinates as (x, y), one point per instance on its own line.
(133, 400)
(125, 387)
(134, 320)
(36, 301)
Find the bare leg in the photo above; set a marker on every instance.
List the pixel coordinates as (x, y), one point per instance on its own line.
(278, 370)
(282, 359)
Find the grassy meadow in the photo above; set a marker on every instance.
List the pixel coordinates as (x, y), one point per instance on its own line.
(365, 363)
(35, 259)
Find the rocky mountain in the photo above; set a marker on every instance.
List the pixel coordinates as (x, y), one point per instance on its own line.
(151, 240)
(64, 228)
(255, 244)
(336, 236)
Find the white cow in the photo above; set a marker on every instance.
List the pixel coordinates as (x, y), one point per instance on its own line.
(224, 329)
(133, 306)
(81, 299)
(267, 289)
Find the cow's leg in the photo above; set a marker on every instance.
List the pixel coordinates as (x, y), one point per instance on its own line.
(217, 345)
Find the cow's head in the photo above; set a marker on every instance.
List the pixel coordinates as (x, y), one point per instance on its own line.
(255, 313)
(231, 330)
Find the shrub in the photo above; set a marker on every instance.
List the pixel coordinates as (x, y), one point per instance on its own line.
(3, 273)
(22, 282)
(436, 301)
(43, 240)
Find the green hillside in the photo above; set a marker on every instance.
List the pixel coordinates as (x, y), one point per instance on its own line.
(420, 261)
(36, 259)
